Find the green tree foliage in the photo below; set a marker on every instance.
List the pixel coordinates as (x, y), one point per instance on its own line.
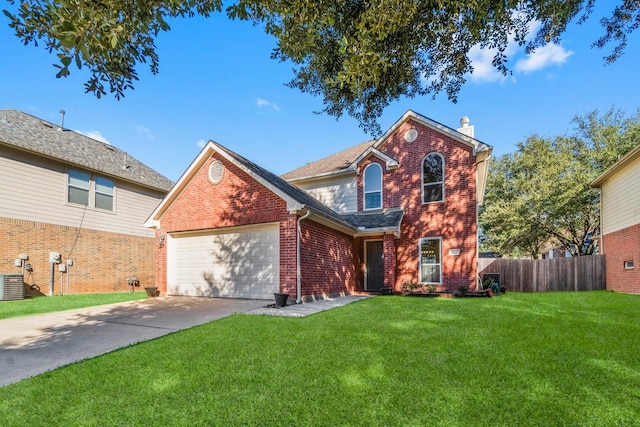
(358, 55)
(540, 196)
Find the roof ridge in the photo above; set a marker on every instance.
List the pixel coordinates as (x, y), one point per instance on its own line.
(41, 137)
(331, 163)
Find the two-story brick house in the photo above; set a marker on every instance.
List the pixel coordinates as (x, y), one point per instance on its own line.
(398, 209)
(63, 192)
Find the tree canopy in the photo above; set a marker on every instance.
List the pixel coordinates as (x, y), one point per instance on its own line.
(540, 196)
(358, 55)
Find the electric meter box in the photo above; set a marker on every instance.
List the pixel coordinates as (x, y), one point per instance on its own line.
(54, 257)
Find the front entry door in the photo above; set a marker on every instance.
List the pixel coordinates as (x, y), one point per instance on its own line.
(375, 265)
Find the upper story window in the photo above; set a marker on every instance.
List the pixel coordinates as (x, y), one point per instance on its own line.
(373, 187)
(82, 190)
(104, 193)
(433, 178)
(78, 188)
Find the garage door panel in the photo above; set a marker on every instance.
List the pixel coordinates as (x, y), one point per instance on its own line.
(238, 264)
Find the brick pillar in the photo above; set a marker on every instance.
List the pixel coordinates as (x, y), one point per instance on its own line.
(389, 249)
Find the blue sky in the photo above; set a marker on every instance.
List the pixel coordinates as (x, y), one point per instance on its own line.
(217, 82)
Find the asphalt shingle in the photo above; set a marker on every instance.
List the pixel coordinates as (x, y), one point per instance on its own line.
(29, 133)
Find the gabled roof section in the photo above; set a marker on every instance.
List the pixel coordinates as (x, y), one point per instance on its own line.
(391, 163)
(348, 160)
(477, 145)
(387, 220)
(613, 169)
(31, 134)
(333, 164)
(296, 199)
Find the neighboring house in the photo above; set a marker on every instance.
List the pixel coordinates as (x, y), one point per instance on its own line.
(63, 192)
(398, 209)
(620, 222)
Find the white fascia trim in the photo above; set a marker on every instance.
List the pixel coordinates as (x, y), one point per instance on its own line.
(626, 159)
(410, 114)
(208, 150)
(377, 231)
(151, 223)
(391, 163)
(180, 184)
(335, 225)
(292, 204)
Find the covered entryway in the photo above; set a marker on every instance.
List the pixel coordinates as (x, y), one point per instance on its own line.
(239, 262)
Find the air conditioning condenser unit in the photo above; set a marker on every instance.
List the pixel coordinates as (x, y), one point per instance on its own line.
(11, 287)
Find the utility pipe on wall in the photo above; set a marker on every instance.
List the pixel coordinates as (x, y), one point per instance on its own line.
(299, 273)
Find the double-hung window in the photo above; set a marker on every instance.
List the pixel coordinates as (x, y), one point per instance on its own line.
(373, 187)
(79, 187)
(104, 193)
(83, 189)
(430, 260)
(433, 178)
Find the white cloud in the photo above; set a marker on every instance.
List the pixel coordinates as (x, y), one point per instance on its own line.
(146, 131)
(201, 143)
(483, 70)
(548, 55)
(545, 56)
(94, 134)
(263, 103)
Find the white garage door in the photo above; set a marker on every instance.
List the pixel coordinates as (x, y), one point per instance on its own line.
(241, 263)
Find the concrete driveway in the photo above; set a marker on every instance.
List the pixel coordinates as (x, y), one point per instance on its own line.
(32, 345)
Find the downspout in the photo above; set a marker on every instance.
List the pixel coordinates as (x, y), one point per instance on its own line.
(299, 274)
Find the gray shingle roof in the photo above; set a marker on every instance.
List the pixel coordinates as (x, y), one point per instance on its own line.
(38, 136)
(332, 163)
(357, 221)
(373, 220)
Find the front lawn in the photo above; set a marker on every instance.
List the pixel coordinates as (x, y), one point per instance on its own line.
(38, 305)
(516, 360)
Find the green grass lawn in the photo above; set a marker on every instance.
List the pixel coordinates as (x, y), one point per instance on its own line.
(38, 305)
(517, 360)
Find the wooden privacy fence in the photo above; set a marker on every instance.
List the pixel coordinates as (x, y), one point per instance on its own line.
(585, 273)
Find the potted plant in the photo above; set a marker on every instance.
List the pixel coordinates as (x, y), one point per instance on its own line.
(411, 288)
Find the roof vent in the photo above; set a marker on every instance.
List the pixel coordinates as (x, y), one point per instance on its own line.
(61, 127)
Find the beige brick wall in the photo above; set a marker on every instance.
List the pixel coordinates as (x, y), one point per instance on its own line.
(102, 261)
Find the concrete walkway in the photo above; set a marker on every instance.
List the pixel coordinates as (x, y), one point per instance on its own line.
(32, 345)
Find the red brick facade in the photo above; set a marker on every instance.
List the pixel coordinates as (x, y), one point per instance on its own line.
(329, 260)
(91, 272)
(453, 220)
(620, 246)
(333, 262)
(237, 200)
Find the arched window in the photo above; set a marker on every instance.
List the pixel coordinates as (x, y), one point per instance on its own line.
(373, 187)
(433, 178)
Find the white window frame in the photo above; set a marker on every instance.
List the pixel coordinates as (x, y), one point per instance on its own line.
(104, 193)
(441, 183)
(71, 186)
(629, 264)
(364, 188)
(439, 239)
(92, 190)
